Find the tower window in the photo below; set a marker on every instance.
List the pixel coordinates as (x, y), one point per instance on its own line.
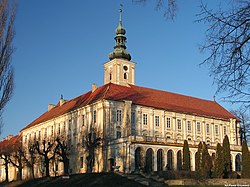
(125, 76)
(110, 76)
(125, 68)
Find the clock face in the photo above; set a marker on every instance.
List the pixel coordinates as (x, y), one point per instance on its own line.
(125, 68)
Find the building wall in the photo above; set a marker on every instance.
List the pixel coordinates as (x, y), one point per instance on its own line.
(124, 126)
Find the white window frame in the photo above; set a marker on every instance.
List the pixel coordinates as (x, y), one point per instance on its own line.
(145, 119)
(157, 121)
(168, 123)
(179, 124)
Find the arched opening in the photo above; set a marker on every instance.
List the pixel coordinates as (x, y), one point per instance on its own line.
(179, 160)
(170, 160)
(238, 162)
(160, 160)
(125, 76)
(149, 161)
(138, 158)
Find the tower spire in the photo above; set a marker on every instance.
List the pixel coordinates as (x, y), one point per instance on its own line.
(120, 47)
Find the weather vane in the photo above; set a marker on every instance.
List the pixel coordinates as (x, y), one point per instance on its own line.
(121, 11)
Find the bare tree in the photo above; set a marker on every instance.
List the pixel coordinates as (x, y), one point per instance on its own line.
(5, 156)
(17, 158)
(63, 151)
(227, 43)
(46, 151)
(241, 113)
(91, 141)
(7, 33)
(169, 7)
(29, 157)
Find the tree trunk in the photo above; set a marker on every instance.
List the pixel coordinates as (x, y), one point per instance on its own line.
(6, 172)
(47, 167)
(32, 171)
(20, 172)
(66, 166)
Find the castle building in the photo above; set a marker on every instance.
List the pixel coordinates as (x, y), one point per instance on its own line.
(135, 123)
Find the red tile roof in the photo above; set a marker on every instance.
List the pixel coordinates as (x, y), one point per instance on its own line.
(141, 96)
(7, 146)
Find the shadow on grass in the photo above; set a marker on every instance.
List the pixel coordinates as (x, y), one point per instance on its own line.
(88, 180)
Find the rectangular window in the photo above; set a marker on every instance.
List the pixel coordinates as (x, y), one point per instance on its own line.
(34, 136)
(178, 124)
(133, 121)
(189, 126)
(225, 130)
(118, 134)
(59, 129)
(208, 129)
(133, 118)
(81, 162)
(83, 120)
(118, 115)
(70, 123)
(198, 127)
(145, 119)
(94, 116)
(168, 124)
(64, 127)
(52, 130)
(157, 121)
(216, 130)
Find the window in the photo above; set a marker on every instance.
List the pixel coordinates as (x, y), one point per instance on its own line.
(198, 127)
(145, 119)
(70, 122)
(216, 130)
(118, 134)
(83, 120)
(81, 162)
(52, 130)
(208, 129)
(189, 126)
(178, 124)
(118, 115)
(94, 116)
(39, 135)
(133, 121)
(157, 121)
(64, 127)
(59, 129)
(168, 123)
(225, 130)
(34, 136)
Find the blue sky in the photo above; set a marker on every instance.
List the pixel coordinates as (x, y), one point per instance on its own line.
(61, 47)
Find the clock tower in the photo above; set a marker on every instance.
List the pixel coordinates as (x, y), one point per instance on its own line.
(119, 70)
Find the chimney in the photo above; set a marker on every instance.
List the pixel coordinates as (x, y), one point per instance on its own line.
(94, 87)
(50, 106)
